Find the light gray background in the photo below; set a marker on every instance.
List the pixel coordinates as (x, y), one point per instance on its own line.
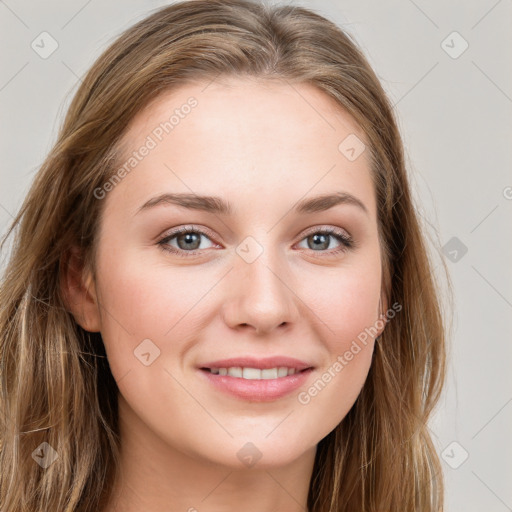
(455, 117)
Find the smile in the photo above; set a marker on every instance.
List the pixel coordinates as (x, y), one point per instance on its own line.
(255, 384)
(254, 373)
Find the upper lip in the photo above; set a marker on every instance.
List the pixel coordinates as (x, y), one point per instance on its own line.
(254, 362)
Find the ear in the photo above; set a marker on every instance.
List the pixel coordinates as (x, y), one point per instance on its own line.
(79, 291)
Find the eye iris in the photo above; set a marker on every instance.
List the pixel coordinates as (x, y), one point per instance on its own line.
(320, 241)
(189, 238)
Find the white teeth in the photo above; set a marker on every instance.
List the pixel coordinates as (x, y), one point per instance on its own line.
(282, 371)
(269, 373)
(254, 373)
(235, 371)
(251, 373)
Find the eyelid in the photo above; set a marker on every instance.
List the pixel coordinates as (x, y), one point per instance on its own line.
(186, 228)
(326, 227)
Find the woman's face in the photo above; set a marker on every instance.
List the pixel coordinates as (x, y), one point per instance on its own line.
(259, 279)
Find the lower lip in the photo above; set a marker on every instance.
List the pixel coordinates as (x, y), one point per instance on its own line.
(263, 390)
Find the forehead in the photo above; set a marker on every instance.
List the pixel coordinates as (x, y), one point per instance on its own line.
(246, 137)
(248, 106)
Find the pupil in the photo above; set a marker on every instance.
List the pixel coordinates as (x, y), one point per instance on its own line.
(318, 241)
(189, 238)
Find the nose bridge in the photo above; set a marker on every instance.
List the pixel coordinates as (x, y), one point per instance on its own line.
(260, 295)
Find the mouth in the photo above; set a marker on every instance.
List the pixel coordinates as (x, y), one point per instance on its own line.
(256, 379)
(249, 373)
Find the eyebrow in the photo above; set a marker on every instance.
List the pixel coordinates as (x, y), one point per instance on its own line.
(213, 204)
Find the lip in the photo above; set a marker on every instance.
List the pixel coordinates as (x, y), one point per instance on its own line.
(264, 390)
(262, 363)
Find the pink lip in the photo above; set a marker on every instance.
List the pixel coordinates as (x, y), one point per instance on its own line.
(253, 362)
(257, 390)
(263, 390)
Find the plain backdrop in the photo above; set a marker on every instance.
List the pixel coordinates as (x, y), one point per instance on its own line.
(446, 67)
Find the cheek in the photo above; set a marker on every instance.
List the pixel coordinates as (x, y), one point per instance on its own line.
(345, 304)
(141, 302)
(345, 300)
(347, 311)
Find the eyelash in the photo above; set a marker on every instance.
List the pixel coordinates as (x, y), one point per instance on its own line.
(347, 242)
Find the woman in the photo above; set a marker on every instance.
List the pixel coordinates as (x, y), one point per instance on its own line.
(291, 357)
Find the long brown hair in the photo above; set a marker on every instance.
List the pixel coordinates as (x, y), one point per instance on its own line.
(381, 457)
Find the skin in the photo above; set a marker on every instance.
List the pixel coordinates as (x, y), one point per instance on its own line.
(262, 146)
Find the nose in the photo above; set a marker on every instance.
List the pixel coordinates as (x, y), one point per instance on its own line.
(260, 297)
